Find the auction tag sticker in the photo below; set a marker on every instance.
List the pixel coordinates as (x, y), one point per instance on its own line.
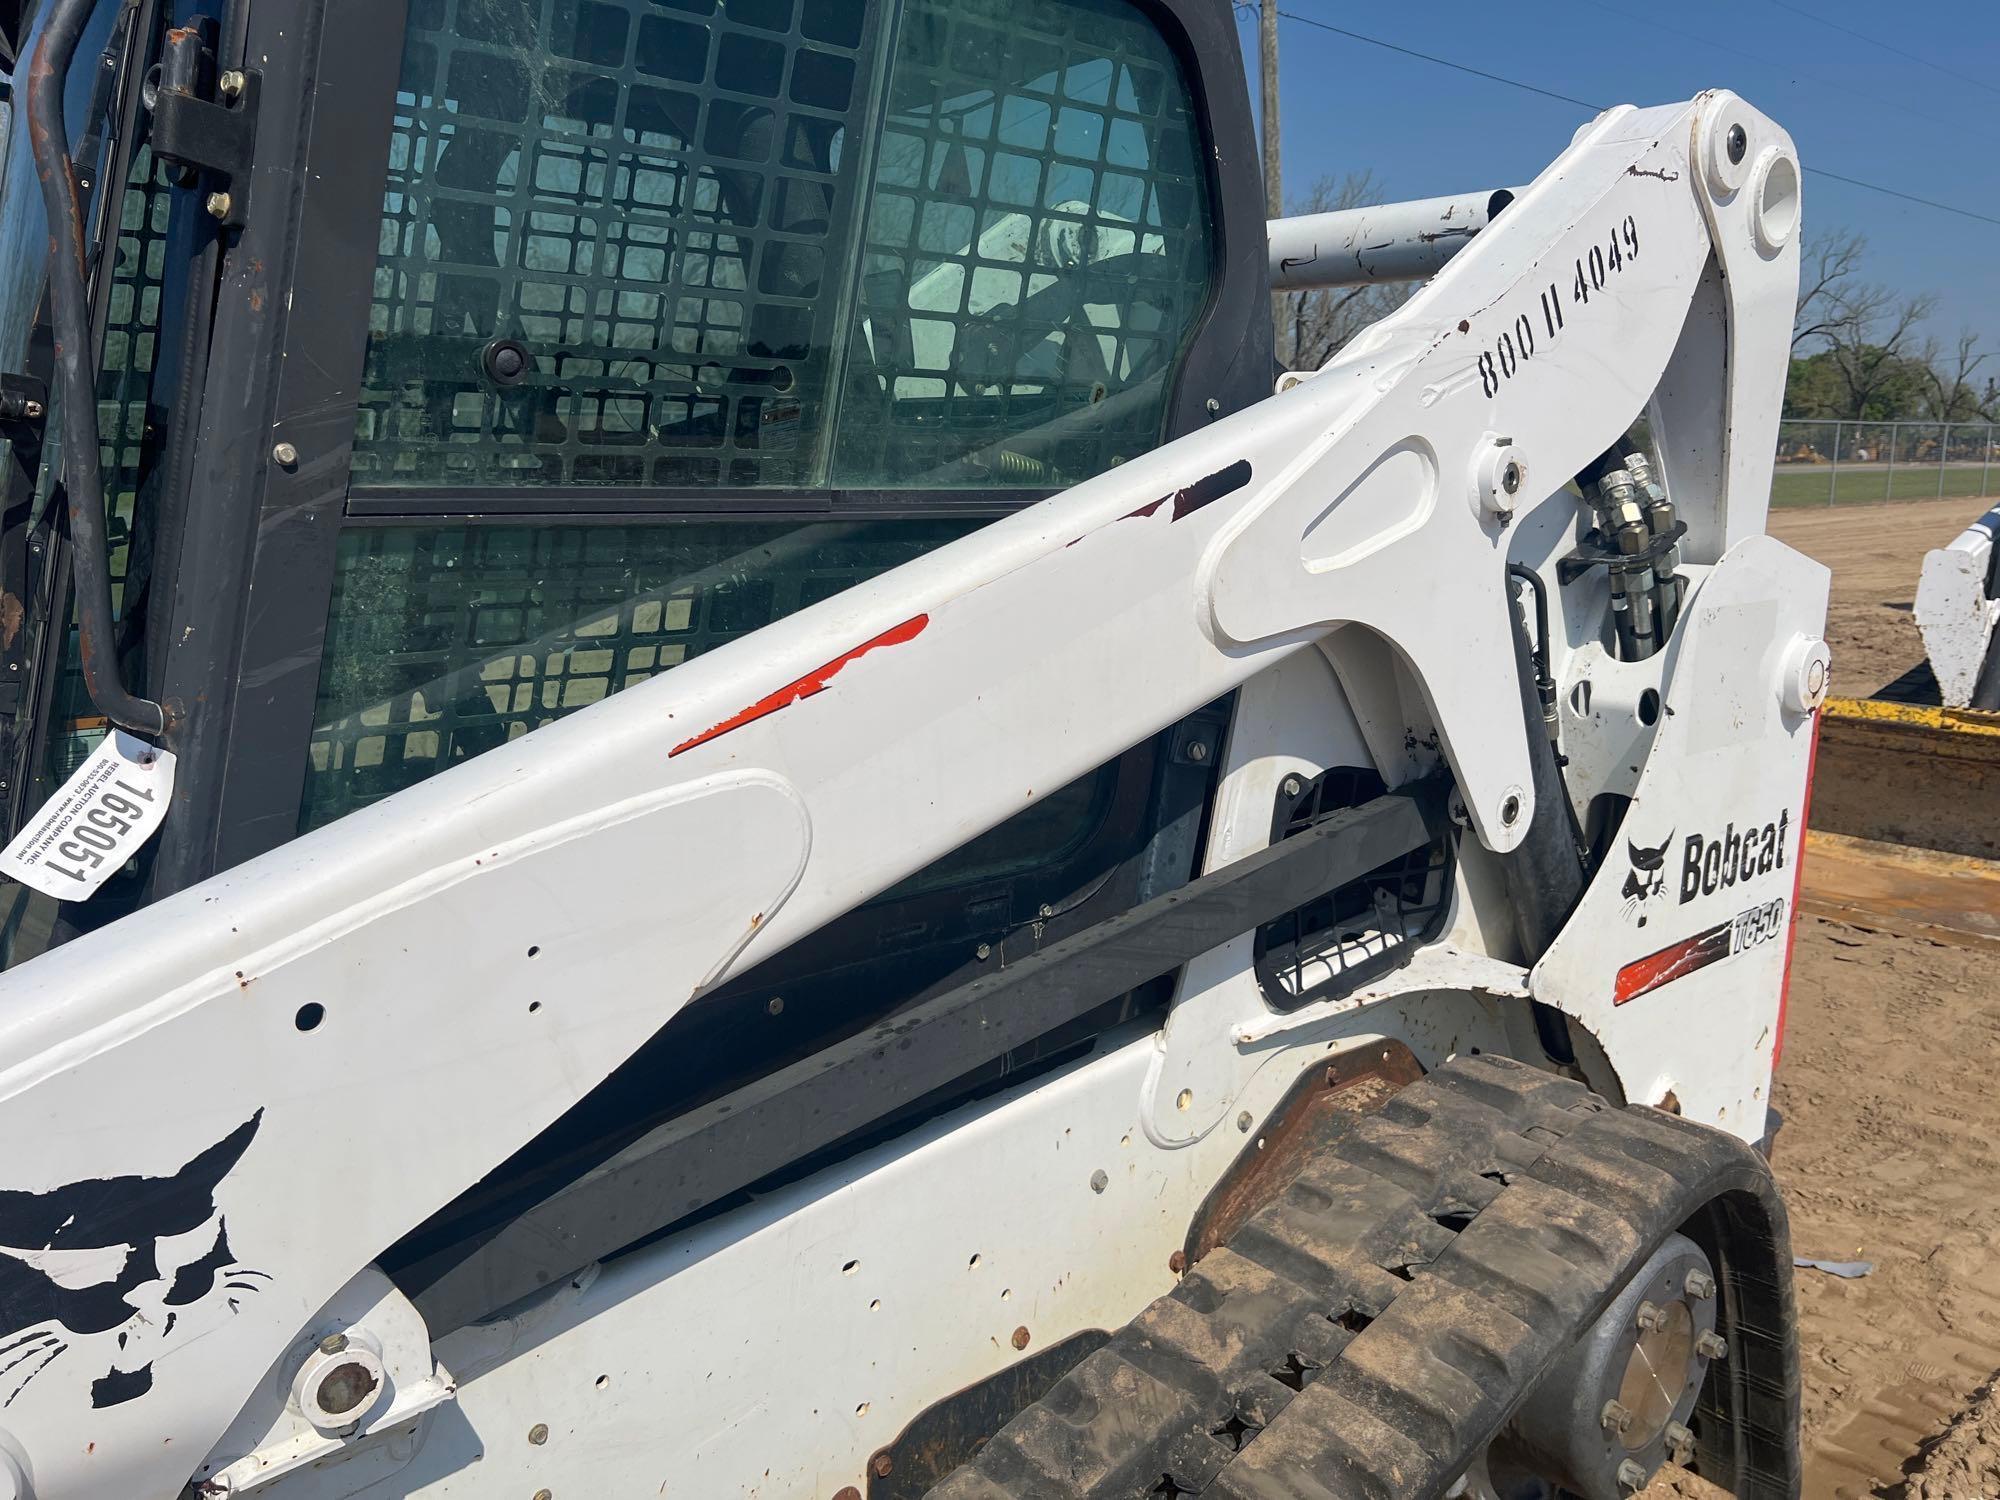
(102, 816)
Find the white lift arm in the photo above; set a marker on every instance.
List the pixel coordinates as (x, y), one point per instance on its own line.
(328, 1043)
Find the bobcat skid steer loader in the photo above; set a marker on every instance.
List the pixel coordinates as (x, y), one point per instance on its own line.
(713, 792)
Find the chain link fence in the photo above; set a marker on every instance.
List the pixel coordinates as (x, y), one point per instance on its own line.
(1857, 463)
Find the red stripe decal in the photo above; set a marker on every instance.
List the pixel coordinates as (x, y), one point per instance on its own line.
(813, 682)
(1683, 958)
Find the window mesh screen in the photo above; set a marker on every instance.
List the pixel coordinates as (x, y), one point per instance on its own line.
(1037, 247)
(657, 200)
(447, 642)
(646, 196)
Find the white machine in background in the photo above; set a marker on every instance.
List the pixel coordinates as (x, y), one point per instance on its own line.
(1957, 610)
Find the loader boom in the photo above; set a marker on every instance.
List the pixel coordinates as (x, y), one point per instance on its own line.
(338, 1013)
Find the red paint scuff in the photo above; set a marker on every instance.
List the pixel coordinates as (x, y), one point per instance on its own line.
(813, 682)
(1644, 975)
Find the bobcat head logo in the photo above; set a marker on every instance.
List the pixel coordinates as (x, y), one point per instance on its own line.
(1647, 877)
(109, 1266)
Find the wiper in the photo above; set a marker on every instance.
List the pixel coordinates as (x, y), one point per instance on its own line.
(75, 372)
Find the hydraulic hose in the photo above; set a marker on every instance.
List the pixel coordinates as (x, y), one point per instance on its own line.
(1544, 873)
(75, 372)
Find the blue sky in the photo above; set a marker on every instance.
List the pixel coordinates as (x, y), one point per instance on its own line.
(1853, 107)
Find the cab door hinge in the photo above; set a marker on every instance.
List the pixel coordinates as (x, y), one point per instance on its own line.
(206, 122)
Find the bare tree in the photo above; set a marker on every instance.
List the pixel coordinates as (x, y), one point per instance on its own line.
(1872, 340)
(1828, 270)
(1949, 388)
(1315, 325)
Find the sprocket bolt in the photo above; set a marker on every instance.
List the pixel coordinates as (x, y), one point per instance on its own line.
(1680, 1443)
(1712, 1345)
(1616, 1417)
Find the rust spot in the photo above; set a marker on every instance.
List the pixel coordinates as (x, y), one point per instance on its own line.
(1321, 1107)
(1021, 1338)
(1177, 1262)
(1464, 325)
(241, 982)
(1670, 1103)
(882, 1465)
(256, 299)
(11, 615)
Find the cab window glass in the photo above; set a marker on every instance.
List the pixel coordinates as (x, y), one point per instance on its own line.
(612, 242)
(1037, 247)
(445, 642)
(622, 243)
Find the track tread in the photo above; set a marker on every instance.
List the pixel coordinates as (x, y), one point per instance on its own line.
(1367, 1330)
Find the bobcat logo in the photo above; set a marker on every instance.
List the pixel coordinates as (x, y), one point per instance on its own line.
(110, 1265)
(1647, 877)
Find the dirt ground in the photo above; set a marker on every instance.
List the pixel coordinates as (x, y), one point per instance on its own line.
(1890, 1149)
(1875, 552)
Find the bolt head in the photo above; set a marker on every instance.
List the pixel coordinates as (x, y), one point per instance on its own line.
(1632, 1475)
(1197, 752)
(1680, 1442)
(1293, 786)
(32, 409)
(333, 1343)
(1712, 1345)
(882, 1466)
(775, 1005)
(1736, 143)
(1021, 1338)
(1213, 406)
(230, 83)
(1700, 1285)
(1650, 1317)
(983, 952)
(1510, 478)
(1616, 1417)
(285, 454)
(218, 205)
(1243, 1122)
(538, 1434)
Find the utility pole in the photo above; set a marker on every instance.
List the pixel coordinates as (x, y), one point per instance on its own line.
(1274, 183)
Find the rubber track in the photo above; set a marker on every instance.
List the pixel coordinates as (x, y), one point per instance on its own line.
(1368, 1331)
